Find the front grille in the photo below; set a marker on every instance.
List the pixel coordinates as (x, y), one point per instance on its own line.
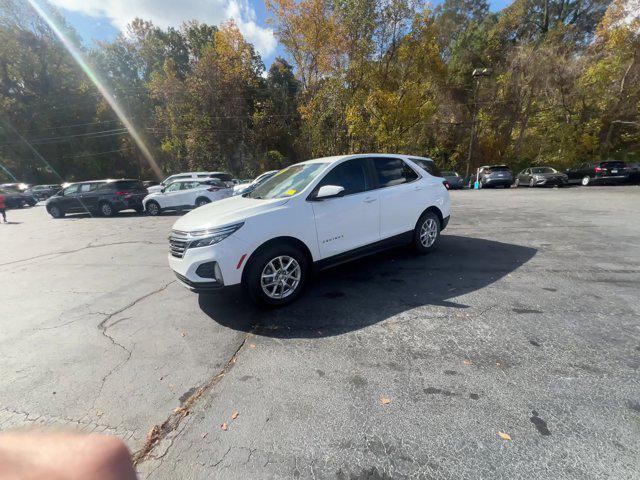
(178, 242)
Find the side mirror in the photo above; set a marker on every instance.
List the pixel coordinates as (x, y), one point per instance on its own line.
(162, 189)
(329, 191)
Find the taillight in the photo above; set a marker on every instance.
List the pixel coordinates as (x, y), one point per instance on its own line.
(446, 184)
(121, 193)
(598, 169)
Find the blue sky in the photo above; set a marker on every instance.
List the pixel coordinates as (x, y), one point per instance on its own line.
(103, 19)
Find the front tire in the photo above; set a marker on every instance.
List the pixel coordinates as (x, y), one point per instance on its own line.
(427, 233)
(532, 183)
(55, 212)
(276, 276)
(153, 208)
(517, 184)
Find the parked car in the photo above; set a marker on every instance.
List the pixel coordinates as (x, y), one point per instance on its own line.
(225, 177)
(491, 176)
(42, 192)
(311, 215)
(102, 197)
(598, 173)
(243, 188)
(149, 183)
(454, 180)
(16, 199)
(19, 186)
(634, 173)
(541, 177)
(186, 194)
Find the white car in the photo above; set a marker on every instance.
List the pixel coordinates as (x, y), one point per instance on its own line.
(313, 214)
(184, 194)
(225, 177)
(242, 188)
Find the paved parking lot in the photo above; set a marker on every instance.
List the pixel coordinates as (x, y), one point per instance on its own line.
(524, 324)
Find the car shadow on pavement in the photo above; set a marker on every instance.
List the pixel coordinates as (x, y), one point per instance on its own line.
(372, 289)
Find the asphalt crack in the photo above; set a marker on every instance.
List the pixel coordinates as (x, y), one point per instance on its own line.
(161, 431)
(103, 326)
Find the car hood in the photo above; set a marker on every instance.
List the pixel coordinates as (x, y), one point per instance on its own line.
(154, 188)
(225, 212)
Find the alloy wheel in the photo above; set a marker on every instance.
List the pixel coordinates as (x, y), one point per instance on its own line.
(280, 277)
(428, 232)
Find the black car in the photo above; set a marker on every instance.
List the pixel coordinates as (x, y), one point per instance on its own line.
(602, 172)
(42, 192)
(102, 197)
(541, 177)
(491, 176)
(16, 199)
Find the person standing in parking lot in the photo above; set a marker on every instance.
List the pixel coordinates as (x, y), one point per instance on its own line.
(3, 208)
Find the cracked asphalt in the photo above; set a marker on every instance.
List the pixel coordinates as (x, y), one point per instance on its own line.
(523, 325)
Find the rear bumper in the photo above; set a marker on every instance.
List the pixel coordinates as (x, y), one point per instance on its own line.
(492, 182)
(611, 178)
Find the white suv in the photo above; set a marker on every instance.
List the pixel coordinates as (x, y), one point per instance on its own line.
(184, 194)
(225, 177)
(313, 214)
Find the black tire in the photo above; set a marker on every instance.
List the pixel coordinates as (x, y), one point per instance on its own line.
(421, 244)
(253, 273)
(153, 208)
(202, 201)
(586, 181)
(532, 184)
(55, 212)
(106, 209)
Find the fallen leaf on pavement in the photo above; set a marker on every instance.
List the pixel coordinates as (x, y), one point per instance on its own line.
(184, 334)
(252, 345)
(385, 400)
(99, 413)
(504, 436)
(224, 427)
(234, 415)
(468, 362)
(205, 434)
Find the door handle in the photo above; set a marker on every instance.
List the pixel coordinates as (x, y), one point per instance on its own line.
(369, 199)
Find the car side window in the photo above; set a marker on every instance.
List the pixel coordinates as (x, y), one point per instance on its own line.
(87, 187)
(189, 185)
(173, 187)
(393, 171)
(351, 175)
(72, 189)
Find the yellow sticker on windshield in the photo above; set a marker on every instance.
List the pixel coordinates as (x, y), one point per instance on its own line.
(290, 192)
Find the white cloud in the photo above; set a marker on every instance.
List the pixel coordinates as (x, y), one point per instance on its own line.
(165, 13)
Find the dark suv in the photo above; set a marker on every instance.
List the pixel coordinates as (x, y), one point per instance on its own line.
(491, 176)
(601, 172)
(103, 197)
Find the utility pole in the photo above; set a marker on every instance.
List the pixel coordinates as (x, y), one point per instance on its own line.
(478, 74)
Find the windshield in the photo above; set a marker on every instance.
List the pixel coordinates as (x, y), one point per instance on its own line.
(449, 174)
(543, 170)
(288, 182)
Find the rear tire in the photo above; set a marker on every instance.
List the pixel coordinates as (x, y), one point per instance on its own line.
(585, 181)
(202, 201)
(55, 212)
(106, 209)
(427, 233)
(517, 184)
(276, 270)
(153, 208)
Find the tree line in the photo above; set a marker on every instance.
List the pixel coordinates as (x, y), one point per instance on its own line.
(562, 87)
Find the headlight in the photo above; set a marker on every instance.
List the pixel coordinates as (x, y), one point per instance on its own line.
(212, 236)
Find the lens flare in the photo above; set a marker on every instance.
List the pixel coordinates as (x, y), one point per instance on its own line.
(77, 56)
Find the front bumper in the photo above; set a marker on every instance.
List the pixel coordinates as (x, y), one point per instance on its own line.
(229, 256)
(550, 182)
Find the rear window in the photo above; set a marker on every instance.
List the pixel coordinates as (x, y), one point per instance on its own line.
(498, 168)
(613, 164)
(428, 165)
(128, 185)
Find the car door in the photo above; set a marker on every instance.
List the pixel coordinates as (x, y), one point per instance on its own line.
(69, 201)
(188, 193)
(396, 182)
(352, 220)
(170, 196)
(525, 176)
(88, 195)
